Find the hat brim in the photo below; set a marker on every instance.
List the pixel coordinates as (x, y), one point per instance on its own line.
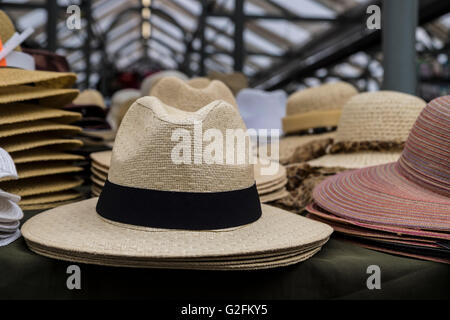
(40, 185)
(37, 126)
(21, 112)
(77, 228)
(16, 77)
(48, 97)
(43, 154)
(9, 211)
(381, 195)
(37, 140)
(276, 195)
(355, 160)
(50, 197)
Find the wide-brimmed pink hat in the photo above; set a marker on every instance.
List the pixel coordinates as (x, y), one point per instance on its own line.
(413, 192)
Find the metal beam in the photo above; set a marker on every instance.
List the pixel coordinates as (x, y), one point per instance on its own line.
(52, 20)
(239, 25)
(399, 45)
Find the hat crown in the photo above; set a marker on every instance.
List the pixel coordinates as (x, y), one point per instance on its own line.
(330, 96)
(382, 116)
(189, 98)
(426, 156)
(143, 153)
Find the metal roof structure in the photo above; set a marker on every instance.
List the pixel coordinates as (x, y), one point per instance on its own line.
(276, 43)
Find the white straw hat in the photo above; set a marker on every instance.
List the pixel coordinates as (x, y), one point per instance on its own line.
(153, 212)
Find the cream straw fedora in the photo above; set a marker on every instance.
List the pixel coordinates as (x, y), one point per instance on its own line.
(316, 107)
(372, 130)
(148, 83)
(189, 98)
(236, 81)
(153, 212)
(199, 82)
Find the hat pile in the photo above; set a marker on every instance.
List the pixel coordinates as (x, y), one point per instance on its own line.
(154, 213)
(36, 133)
(91, 105)
(372, 130)
(310, 114)
(400, 207)
(120, 103)
(10, 212)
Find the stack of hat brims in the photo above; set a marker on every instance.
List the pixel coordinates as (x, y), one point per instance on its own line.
(193, 216)
(401, 207)
(270, 187)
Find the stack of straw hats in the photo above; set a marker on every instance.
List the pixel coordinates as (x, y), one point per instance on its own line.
(120, 103)
(310, 113)
(372, 130)
(401, 207)
(10, 212)
(36, 133)
(91, 105)
(154, 213)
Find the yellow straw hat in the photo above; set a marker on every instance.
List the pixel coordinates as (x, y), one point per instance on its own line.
(47, 97)
(19, 128)
(21, 112)
(90, 97)
(43, 154)
(316, 107)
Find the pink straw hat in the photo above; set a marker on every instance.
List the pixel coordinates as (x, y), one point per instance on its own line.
(413, 192)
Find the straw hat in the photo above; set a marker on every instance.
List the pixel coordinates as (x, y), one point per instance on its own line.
(317, 107)
(37, 126)
(41, 185)
(112, 230)
(90, 97)
(47, 97)
(43, 154)
(188, 98)
(372, 130)
(413, 192)
(50, 197)
(151, 80)
(37, 140)
(6, 28)
(18, 113)
(120, 103)
(199, 82)
(236, 81)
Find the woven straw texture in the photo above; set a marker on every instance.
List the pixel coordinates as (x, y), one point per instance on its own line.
(277, 195)
(189, 98)
(330, 96)
(271, 188)
(99, 174)
(142, 151)
(13, 113)
(36, 140)
(102, 158)
(355, 160)
(100, 168)
(45, 168)
(262, 179)
(48, 97)
(413, 192)
(78, 228)
(378, 116)
(90, 97)
(151, 80)
(10, 77)
(40, 185)
(236, 81)
(49, 205)
(43, 154)
(50, 197)
(37, 126)
(199, 82)
(120, 103)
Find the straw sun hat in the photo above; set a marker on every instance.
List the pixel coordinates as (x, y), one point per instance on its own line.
(236, 81)
(372, 130)
(413, 192)
(316, 107)
(189, 98)
(152, 79)
(154, 213)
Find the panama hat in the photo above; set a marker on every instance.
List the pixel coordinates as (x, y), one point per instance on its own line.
(151, 80)
(317, 107)
(199, 82)
(120, 103)
(16, 112)
(236, 81)
(372, 130)
(413, 192)
(189, 98)
(202, 211)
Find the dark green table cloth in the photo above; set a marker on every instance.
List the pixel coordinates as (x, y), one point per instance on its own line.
(337, 271)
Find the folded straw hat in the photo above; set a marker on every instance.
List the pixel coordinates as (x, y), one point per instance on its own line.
(48, 97)
(189, 98)
(236, 81)
(40, 185)
(151, 80)
(21, 112)
(43, 154)
(372, 130)
(19, 128)
(413, 192)
(316, 107)
(37, 140)
(199, 82)
(198, 211)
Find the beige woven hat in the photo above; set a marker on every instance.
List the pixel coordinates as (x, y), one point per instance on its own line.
(236, 81)
(21, 112)
(90, 97)
(151, 80)
(40, 185)
(199, 82)
(189, 98)
(19, 128)
(37, 140)
(43, 154)
(372, 130)
(203, 211)
(47, 198)
(6, 28)
(120, 103)
(316, 107)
